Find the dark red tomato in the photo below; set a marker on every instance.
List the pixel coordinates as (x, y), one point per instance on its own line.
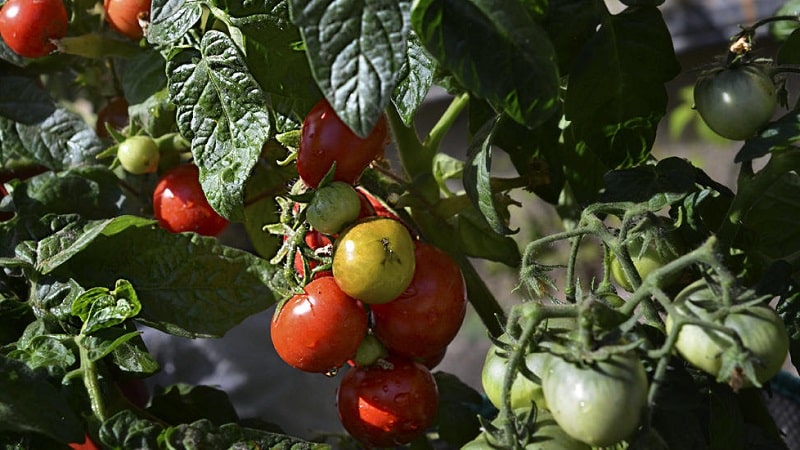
(385, 405)
(179, 203)
(426, 317)
(125, 16)
(314, 240)
(325, 139)
(87, 444)
(4, 215)
(320, 330)
(29, 27)
(115, 114)
(367, 210)
(434, 360)
(378, 207)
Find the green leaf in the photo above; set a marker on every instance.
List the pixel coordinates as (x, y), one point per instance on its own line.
(183, 403)
(142, 75)
(570, 23)
(57, 248)
(782, 29)
(780, 134)
(659, 184)
(356, 50)
(203, 434)
(170, 20)
(477, 178)
(101, 307)
(264, 185)
(222, 111)
(23, 101)
(189, 285)
(125, 430)
(459, 405)
(478, 240)
(616, 94)
(416, 79)
(494, 49)
(59, 141)
(46, 352)
(28, 403)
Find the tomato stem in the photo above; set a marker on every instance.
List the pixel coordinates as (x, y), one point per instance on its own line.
(90, 381)
(416, 159)
(446, 121)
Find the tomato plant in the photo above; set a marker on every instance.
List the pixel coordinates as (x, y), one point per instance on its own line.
(524, 390)
(179, 203)
(320, 330)
(138, 154)
(389, 404)
(373, 260)
(737, 101)
(327, 140)
(127, 16)
(424, 319)
(601, 403)
(30, 27)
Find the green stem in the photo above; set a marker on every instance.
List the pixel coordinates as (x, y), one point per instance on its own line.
(417, 159)
(445, 122)
(91, 381)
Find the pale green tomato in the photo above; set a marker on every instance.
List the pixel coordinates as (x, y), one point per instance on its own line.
(138, 154)
(333, 207)
(523, 389)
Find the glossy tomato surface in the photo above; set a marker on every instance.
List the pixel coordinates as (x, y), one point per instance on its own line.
(524, 390)
(385, 405)
(318, 331)
(425, 318)
(325, 139)
(333, 207)
(373, 260)
(28, 27)
(179, 203)
(138, 154)
(124, 16)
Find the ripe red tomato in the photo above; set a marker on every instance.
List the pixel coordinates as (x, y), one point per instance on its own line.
(318, 331)
(179, 203)
(115, 114)
(325, 139)
(28, 27)
(425, 318)
(314, 240)
(4, 215)
(124, 16)
(385, 405)
(87, 444)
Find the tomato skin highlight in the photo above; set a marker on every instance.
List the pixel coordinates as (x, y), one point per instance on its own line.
(736, 102)
(123, 16)
(179, 203)
(318, 331)
(425, 318)
(384, 406)
(325, 139)
(28, 26)
(599, 404)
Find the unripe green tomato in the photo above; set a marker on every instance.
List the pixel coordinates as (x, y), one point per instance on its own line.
(333, 207)
(644, 262)
(523, 389)
(138, 154)
(547, 435)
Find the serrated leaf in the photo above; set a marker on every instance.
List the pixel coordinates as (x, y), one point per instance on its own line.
(57, 248)
(616, 94)
(59, 141)
(660, 185)
(47, 352)
(203, 434)
(142, 76)
(23, 101)
(416, 79)
(222, 111)
(476, 40)
(101, 307)
(780, 134)
(126, 430)
(188, 285)
(170, 20)
(356, 49)
(28, 403)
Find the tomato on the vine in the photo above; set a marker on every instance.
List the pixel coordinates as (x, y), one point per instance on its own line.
(138, 154)
(599, 403)
(319, 330)
(760, 329)
(325, 139)
(644, 262)
(373, 260)
(427, 315)
(333, 207)
(29, 27)
(126, 16)
(179, 203)
(524, 391)
(545, 434)
(736, 102)
(388, 404)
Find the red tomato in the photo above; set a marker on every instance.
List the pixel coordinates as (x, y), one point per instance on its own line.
(318, 331)
(124, 16)
(314, 240)
(179, 203)
(115, 114)
(87, 444)
(385, 405)
(325, 139)
(4, 215)
(29, 27)
(426, 317)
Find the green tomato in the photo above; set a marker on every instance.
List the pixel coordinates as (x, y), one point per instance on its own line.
(547, 435)
(645, 262)
(138, 154)
(523, 389)
(760, 330)
(333, 207)
(599, 404)
(736, 102)
(373, 260)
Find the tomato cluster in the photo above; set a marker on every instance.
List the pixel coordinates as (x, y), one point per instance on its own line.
(381, 300)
